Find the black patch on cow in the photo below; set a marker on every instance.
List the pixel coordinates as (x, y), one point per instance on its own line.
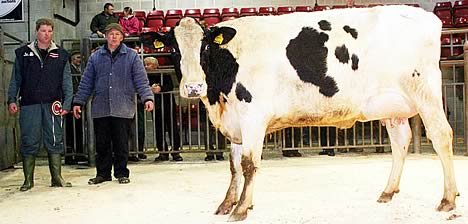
(220, 68)
(342, 54)
(242, 93)
(351, 31)
(355, 62)
(324, 25)
(416, 73)
(308, 56)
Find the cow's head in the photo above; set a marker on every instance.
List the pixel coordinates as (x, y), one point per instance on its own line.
(191, 46)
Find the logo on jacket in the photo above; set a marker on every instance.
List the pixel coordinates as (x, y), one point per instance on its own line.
(30, 54)
(54, 55)
(56, 108)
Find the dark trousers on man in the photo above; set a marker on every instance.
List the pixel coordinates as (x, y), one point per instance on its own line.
(112, 146)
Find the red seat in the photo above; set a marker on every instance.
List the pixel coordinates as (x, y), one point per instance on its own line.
(321, 7)
(119, 14)
(154, 22)
(157, 14)
(285, 10)
(248, 12)
(172, 17)
(194, 13)
(165, 29)
(141, 15)
(460, 13)
(211, 16)
(229, 13)
(171, 22)
(174, 13)
(211, 12)
(266, 11)
(339, 6)
(443, 10)
(304, 9)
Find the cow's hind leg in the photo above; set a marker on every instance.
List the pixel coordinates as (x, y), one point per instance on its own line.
(252, 145)
(400, 137)
(232, 193)
(441, 135)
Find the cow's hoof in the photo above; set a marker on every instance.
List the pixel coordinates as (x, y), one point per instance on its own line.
(385, 197)
(237, 216)
(446, 206)
(225, 208)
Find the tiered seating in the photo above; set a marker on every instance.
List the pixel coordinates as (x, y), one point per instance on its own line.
(266, 11)
(194, 13)
(285, 10)
(172, 17)
(443, 10)
(155, 19)
(460, 13)
(229, 13)
(211, 16)
(304, 9)
(248, 12)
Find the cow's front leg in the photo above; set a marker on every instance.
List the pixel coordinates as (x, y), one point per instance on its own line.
(232, 193)
(400, 137)
(252, 140)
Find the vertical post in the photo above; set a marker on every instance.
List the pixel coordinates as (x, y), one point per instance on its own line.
(416, 130)
(465, 68)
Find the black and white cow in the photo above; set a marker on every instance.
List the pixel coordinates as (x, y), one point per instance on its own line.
(257, 75)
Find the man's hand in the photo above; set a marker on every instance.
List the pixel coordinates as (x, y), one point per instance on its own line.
(99, 33)
(156, 88)
(149, 106)
(77, 112)
(63, 112)
(12, 108)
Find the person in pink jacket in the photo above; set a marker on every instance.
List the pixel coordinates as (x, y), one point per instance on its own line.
(130, 23)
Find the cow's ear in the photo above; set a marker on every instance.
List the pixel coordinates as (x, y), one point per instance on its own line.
(155, 40)
(222, 35)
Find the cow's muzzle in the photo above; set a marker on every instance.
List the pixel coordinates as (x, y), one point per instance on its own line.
(195, 89)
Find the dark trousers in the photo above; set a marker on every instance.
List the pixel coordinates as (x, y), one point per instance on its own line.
(169, 124)
(330, 135)
(112, 146)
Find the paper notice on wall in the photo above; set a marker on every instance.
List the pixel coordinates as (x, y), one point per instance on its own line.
(11, 10)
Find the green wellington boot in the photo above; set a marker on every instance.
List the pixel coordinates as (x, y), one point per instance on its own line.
(28, 169)
(55, 167)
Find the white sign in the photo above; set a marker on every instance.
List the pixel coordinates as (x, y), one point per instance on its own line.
(11, 10)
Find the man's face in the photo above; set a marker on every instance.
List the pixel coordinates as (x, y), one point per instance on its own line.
(45, 34)
(150, 65)
(109, 10)
(114, 37)
(76, 60)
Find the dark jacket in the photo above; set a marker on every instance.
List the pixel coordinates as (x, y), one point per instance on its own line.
(41, 80)
(114, 81)
(101, 20)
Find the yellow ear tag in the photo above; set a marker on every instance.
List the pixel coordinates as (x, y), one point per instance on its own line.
(219, 39)
(158, 44)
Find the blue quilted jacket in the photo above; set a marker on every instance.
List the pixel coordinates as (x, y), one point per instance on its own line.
(114, 82)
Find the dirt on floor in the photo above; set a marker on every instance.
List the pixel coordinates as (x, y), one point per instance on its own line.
(311, 189)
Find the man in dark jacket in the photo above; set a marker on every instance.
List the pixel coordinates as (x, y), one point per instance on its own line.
(114, 74)
(42, 78)
(101, 20)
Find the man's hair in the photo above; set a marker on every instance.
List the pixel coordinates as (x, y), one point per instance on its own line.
(44, 21)
(106, 6)
(152, 60)
(128, 10)
(75, 53)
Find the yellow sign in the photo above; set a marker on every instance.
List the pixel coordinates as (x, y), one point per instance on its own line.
(219, 39)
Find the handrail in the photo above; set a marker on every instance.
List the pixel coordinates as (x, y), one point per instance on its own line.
(454, 30)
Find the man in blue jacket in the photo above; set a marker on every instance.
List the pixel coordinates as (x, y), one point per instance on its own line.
(114, 74)
(42, 78)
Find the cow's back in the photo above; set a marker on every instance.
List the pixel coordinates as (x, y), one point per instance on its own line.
(382, 44)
